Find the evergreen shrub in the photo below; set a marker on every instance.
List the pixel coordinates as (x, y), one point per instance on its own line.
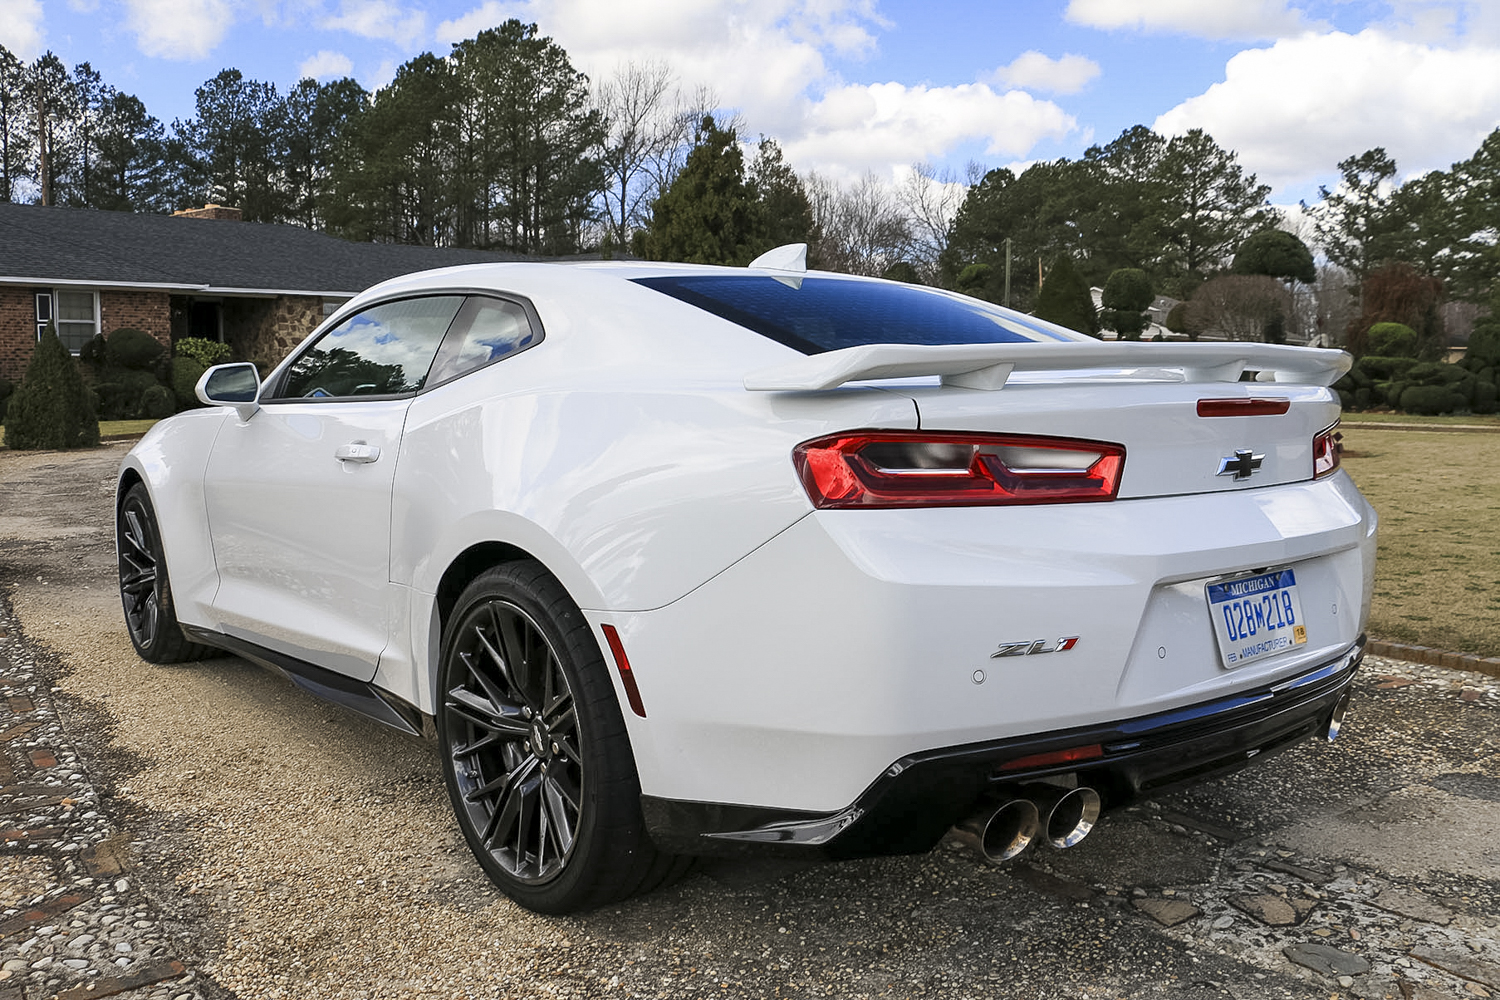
(157, 402)
(130, 348)
(1395, 340)
(52, 408)
(186, 371)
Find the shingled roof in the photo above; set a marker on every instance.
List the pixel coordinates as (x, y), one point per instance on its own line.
(48, 246)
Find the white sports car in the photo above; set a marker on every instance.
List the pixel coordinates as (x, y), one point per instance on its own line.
(678, 560)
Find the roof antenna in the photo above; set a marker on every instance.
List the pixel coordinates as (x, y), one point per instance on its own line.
(791, 258)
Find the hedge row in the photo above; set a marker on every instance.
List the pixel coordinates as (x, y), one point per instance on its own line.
(1426, 387)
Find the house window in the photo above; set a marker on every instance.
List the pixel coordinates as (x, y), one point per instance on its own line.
(75, 313)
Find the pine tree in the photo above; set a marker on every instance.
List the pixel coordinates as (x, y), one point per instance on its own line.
(707, 215)
(51, 409)
(1065, 300)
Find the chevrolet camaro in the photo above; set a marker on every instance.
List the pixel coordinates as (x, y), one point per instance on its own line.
(677, 560)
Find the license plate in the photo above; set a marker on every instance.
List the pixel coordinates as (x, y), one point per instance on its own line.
(1256, 616)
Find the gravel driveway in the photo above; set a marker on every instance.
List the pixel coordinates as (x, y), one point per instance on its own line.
(207, 830)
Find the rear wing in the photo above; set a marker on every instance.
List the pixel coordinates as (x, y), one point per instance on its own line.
(988, 366)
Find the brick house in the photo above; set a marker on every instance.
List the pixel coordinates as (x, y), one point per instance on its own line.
(259, 288)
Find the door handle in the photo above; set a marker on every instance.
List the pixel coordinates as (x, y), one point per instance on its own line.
(357, 451)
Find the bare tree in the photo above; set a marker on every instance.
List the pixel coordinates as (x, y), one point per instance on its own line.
(1335, 302)
(652, 124)
(930, 200)
(863, 229)
(1239, 307)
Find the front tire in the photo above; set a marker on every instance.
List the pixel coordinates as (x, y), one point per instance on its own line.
(145, 591)
(535, 752)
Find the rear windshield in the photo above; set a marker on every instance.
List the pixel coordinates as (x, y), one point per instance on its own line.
(826, 314)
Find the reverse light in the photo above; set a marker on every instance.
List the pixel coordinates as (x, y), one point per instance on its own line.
(882, 469)
(1328, 445)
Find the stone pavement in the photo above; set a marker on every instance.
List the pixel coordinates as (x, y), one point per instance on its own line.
(74, 923)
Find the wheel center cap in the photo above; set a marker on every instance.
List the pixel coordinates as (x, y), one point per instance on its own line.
(538, 742)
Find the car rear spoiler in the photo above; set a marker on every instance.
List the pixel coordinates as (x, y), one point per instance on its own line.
(988, 366)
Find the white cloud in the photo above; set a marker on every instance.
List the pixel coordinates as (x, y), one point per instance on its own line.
(767, 61)
(1295, 109)
(325, 65)
(1035, 71)
(178, 29)
(21, 27)
(887, 125)
(379, 19)
(1213, 19)
(83, 6)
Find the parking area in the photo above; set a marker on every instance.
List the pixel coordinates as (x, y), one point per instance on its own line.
(207, 830)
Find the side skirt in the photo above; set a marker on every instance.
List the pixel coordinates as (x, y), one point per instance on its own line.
(357, 696)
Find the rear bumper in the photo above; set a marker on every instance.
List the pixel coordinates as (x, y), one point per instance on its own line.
(919, 797)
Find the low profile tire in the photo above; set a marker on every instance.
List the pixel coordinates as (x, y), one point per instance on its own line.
(145, 591)
(535, 753)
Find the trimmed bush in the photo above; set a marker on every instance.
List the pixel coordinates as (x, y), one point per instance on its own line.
(52, 408)
(1362, 397)
(120, 391)
(1486, 398)
(1392, 340)
(1430, 400)
(1380, 368)
(186, 371)
(93, 353)
(1177, 320)
(157, 402)
(210, 352)
(132, 349)
(1484, 346)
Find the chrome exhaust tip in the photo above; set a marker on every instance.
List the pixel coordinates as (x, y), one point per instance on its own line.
(1336, 720)
(1002, 832)
(1067, 815)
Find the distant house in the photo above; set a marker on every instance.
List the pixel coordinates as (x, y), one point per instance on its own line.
(259, 288)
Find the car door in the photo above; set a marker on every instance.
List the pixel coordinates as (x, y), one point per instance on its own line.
(299, 495)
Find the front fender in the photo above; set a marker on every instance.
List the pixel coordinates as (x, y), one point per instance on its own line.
(175, 486)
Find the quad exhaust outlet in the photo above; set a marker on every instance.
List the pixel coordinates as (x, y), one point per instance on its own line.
(1060, 816)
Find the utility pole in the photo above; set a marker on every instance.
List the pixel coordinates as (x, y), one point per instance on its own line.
(1007, 272)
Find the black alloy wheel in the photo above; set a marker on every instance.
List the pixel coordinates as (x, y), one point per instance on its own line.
(517, 766)
(535, 753)
(145, 593)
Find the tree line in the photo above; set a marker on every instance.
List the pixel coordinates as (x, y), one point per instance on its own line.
(502, 143)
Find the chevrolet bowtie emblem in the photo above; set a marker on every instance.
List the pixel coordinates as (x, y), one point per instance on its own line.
(1240, 465)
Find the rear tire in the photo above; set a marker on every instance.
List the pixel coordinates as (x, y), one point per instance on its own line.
(535, 753)
(145, 591)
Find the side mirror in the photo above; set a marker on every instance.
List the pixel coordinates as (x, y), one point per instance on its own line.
(236, 385)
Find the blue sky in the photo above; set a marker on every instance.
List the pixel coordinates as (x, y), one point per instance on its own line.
(854, 85)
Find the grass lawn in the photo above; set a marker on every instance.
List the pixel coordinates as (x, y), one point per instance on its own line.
(112, 429)
(1437, 578)
(1492, 420)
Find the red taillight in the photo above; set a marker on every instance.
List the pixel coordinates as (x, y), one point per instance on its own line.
(1328, 445)
(1267, 407)
(1091, 752)
(939, 469)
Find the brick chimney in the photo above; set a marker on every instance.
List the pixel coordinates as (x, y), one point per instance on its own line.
(212, 211)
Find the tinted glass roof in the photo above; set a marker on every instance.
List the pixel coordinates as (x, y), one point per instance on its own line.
(818, 314)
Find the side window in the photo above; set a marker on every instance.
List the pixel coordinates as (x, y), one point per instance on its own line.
(486, 331)
(384, 351)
